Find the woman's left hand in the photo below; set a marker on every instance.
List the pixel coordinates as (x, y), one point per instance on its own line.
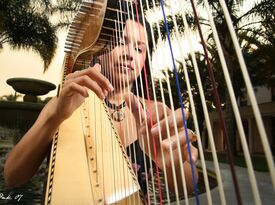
(157, 131)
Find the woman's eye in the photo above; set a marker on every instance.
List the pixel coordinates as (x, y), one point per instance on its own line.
(139, 50)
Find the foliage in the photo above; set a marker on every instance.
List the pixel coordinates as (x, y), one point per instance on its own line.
(28, 24)
(10, 97)
(255, 29)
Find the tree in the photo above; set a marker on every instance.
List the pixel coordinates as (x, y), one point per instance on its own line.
(28, 24)
(247, 26)
(255, 29)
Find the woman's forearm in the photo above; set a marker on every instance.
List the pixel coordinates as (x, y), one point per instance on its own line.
(26, 157)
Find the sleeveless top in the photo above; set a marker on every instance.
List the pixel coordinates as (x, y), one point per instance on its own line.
(145, 169)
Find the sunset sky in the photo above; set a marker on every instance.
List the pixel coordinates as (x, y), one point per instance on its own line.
(26, 63)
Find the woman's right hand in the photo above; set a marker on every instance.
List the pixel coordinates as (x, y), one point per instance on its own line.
(75, 90)
(26, 157)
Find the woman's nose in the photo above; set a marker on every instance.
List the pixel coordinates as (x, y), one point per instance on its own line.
(129, 57)
(128, 53)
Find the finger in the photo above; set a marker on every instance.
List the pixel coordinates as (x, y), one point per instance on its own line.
(180, 115)
(92, 85)
(69, 76)
(174, 118)
(74, 75)
(194, 154)
(97, 67)
(173, 141)
(75, 88)
(95, 74)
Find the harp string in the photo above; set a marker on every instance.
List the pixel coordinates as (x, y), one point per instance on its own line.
(167, 79)
(194, 114)
(139, 111)
(207, 119)
(165, 112)
(128, 89)
(124, 135)
(105, 73)
(119, 84)
(150, 114)
(251, 94)
(168, 132)
(130, 105)
(149, 103)
(156, 110)
(155, 103)
(182, 107)
(123, 81)
(236, 112)
(206, 115)
(124, 92)
(131, 111)
(112, 76)
(132, 50)
(218, 105)
(102, 155)
(192, 106)
(121, 87)
(183, 179)
(139, 114)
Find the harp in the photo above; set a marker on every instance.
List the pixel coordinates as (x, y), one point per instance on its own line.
(89, 164)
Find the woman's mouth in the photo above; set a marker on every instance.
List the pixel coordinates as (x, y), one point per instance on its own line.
(125, 68)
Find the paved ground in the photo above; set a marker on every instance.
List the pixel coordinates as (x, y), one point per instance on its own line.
(266, 190)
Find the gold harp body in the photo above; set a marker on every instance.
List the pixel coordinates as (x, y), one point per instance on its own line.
(87, 161)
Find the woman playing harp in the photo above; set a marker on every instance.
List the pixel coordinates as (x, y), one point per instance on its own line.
(112, 80)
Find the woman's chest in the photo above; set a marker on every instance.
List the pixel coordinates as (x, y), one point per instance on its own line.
(126, 127)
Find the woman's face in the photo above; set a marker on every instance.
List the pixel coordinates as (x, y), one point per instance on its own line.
(128, 56)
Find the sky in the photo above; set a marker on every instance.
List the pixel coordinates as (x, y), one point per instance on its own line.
(26, 63)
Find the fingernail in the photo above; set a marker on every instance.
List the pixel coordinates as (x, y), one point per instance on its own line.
(111, 88)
